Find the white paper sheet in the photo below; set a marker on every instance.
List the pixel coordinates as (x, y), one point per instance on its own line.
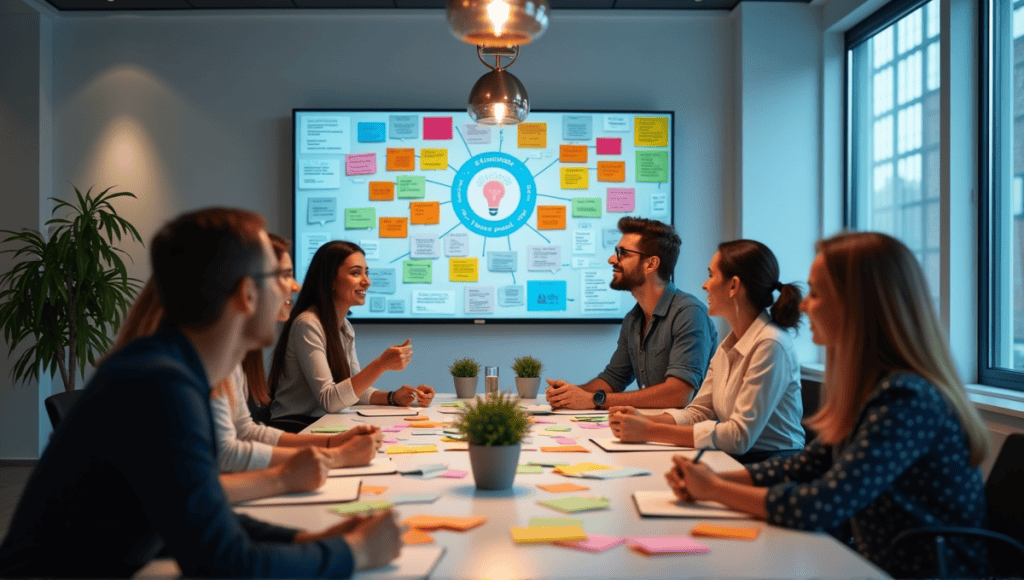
(612, 445)
(379, 466)
(665, 504)
(336, 490)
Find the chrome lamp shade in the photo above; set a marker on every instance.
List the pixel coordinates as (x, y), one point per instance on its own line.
(498, 23)
(498, 98)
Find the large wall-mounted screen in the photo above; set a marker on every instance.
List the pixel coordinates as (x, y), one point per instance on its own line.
(462, 222)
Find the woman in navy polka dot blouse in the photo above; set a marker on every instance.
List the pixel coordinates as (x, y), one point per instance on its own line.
(899, 442)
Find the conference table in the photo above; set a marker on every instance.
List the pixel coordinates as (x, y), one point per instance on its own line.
(488, 551)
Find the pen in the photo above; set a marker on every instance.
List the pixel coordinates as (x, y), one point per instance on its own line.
(699, 453)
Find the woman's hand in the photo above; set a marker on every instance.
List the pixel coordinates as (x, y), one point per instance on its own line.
(629, 425)
(691, 481)
(358, 450)
(306, 470)
(375, 540)
(397, 357)
(339, 439)
(405, 396)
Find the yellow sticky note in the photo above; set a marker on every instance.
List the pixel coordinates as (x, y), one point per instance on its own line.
(575, 470)
(401, 160)
(611, 171)
(565, 449)
(575, 178)
(434, 159)
(394, 227)
(456, 445)
(650, 131)
(463, 270)
(547, 534)
(532, 135)
(411, 449)
(572, 153)
(425, 212)
(550, 217)
(382, 190)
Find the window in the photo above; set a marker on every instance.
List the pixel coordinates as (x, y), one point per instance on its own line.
(1001, 324)
(893, 128)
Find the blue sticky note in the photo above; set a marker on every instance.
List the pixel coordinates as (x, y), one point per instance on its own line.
(378, 303)
(415, 498)
(382, 280)
(370, 132)
(396, 306)
(545, 295)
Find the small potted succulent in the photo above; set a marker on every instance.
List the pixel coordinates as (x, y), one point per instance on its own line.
(494, 427)
(528, 371)
(466, 373)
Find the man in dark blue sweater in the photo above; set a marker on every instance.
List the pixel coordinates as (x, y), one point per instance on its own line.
(133, 468)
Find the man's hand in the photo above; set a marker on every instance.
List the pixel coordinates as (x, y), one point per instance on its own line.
(339, 439)
(424, 395)
(563, 395)
(376, 540)
(397, 357)
(357, 451)
(306, 470)
(629, 425)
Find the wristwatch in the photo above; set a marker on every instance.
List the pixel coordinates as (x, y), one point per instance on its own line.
(391, 398)
(599, 399)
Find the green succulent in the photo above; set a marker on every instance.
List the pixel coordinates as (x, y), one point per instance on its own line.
(464, 367)
(527, 367)
(495, 420)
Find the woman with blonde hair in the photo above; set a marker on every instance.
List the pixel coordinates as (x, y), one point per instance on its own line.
(898, 441)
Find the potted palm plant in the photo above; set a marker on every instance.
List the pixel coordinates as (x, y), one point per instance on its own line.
(70, 290)
(466, 373)
(494, 427)
(528, 371)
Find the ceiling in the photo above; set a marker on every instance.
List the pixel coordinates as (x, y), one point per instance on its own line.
(151, 5)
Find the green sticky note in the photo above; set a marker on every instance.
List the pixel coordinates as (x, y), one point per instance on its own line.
(358, 507)
(652, 166)
(548, 463)
(576, 504)
(417, 271)
(527, 468)
(360, 218)
(586, 207)
(458, 404)
(329, 429)
(555, 522)
(558, 428)
(411, 187)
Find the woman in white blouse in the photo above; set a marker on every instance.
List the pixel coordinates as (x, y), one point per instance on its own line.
(749, 404)
(315, 370)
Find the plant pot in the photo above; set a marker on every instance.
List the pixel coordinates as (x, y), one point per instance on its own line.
(527, 387)
(494, 466)
(465, 387)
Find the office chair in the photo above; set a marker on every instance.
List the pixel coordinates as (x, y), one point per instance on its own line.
(58, 406)
(1004, 537)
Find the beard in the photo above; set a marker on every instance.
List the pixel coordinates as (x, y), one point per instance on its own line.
(628, 281)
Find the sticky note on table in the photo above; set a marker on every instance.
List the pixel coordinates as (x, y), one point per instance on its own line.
(717, 531)
(417, 536)
(543, 463)
(425, 212)
(576, 504)
(615, 473)
(652, 166)
(439, 127)
(609, 146)
(454, 474)
(394, 227)
(565, 441)
(372, 489)
(621, 199)
(433, 159)
(358, 507)
(578, 468)
(611, 171)
(411, 449)
(400, 159)
(382, 190)
(415, 498)
(463, 269)
(360, 218)
(562, 487)
(426, 424)
(532, 135)
(553, 522)
(572, 153)
(565, 449)
(417, 271)
(558, 428)
(586, 207)
(666, 545)
(429, 522)
(537, 534)
(550, 217)
(411, 187)
(329, 429)
(650, 131)
(575, 178)
(594, 543)
(527, 468)
(361, 164)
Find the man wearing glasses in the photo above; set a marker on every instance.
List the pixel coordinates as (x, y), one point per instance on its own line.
(666, 341)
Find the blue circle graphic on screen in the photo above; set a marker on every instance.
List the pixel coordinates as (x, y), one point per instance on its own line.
(493, 194)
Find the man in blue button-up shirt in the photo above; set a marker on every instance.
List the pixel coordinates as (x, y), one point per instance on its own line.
(666, 341)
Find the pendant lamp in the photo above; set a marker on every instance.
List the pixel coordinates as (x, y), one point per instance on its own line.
(498, 98)
(498, 23)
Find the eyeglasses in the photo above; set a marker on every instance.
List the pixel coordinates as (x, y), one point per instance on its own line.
(283, 274)
(619, 251)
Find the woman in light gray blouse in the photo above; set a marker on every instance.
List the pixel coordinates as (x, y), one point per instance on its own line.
(315, 370)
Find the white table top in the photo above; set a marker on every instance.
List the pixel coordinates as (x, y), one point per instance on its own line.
(488, 551)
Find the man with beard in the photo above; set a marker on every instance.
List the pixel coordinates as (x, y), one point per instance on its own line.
(666, 341)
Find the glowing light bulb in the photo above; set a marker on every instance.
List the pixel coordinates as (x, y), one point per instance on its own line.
(494, 191)
(498, 11)
(499, 112)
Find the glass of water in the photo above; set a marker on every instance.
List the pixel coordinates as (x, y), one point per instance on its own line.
(491, 381)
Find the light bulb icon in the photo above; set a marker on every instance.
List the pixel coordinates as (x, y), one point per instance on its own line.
(494, 191)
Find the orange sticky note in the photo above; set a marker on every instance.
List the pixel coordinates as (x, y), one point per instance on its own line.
(611, 171)
(563, 487)
(425, 212)
(566, 449)
(416, 419)
(573, 154)
(532, 135)
(417, 536)
(716, 531)
(550, 217)
(394, 227)
(401, 160)
(382, 190)
(429, 522)
(373, 489)
(425, 424)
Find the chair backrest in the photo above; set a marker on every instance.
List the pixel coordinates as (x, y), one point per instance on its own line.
(1004, 489)
(57, 406)
(810, 396)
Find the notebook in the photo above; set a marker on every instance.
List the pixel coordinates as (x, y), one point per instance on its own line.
(665, 504)
(336, 490)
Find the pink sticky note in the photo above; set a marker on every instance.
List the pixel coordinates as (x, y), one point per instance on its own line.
(454, 474)
(361, 164)
(400, 425)
(592, 425)
(391, 440)
(609, 146)
(594, 543)
(565, 440)
(543, 422)
(621, 199)
(391, 429)
(437, 127)
(666, 545)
